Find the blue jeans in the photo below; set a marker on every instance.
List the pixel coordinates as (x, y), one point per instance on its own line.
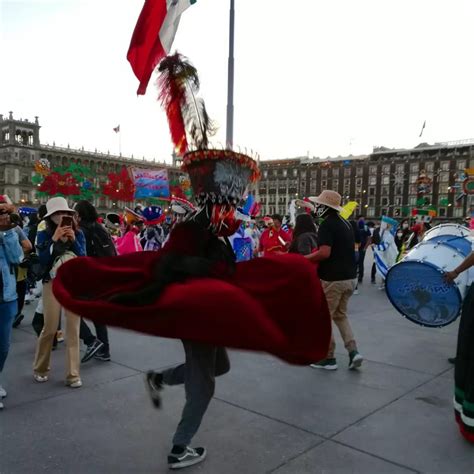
(7, 315)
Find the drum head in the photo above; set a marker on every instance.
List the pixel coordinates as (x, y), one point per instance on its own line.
(461, 244)
(418, 291)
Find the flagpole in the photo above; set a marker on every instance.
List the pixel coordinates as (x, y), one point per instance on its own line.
(230, 79)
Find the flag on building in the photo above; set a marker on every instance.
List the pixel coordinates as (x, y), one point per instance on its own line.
(153, 36)
(117, 129)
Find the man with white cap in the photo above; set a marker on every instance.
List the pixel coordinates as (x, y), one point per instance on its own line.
(337, 271)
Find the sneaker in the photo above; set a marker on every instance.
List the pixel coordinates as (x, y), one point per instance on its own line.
(2, 406)
(154, 385)
(91, 350)
(189, 457)
(3, 392)
(326, 364)
(356, 292)
(60, 336)
(102, 355)
(452, 360)
(381, 287)
(40, 378)
(355, 360)
(18, 319)
(75, 384)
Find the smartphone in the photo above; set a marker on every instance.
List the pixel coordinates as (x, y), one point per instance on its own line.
(66, 221)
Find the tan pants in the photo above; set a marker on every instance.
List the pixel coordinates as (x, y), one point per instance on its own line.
(52, 313)
(337, 295)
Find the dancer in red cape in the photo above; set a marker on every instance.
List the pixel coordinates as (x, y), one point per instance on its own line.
(273, 304)
(193, 290)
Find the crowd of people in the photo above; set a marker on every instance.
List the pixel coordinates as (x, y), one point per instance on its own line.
(34, 248)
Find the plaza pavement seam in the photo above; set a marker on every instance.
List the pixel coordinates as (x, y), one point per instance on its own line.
(376, 456)
(292, 458)
(331, 438)
(411, 390)
(400, 367)
(321, 441)
(61, 394)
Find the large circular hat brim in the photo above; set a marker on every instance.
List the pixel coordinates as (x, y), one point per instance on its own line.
(317, 200)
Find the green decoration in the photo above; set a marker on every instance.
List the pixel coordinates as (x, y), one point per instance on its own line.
(444, 202)
(37, 179)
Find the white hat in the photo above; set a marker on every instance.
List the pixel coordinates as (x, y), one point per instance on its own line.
(57, 204)
(328, 198)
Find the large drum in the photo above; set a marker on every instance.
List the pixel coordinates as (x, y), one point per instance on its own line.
(454, 230)
(454, 235)
(416, 286)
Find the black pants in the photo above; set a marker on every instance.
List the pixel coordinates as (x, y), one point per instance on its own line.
(203, 364)
(360, 265)
(102, 334)
(21, 292)
(373, 272)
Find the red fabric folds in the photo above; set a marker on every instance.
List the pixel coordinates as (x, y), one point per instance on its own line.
(146, 50)
(274, 304)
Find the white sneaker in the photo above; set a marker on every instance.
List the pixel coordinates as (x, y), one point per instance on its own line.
(1, 406)
(40, 378)
(75, 384)
(356, 292)
(3, 392)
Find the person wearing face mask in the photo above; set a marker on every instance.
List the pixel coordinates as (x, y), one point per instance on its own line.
(58, 241)
(337, 271)
(402, 235)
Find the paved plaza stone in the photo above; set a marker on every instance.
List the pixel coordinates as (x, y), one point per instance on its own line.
(393, 416)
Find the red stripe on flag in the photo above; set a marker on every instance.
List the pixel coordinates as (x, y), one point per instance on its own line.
(146, 50)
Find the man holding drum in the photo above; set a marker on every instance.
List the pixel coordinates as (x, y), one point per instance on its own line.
(464, 368)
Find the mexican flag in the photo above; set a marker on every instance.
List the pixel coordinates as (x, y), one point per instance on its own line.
(153, 36)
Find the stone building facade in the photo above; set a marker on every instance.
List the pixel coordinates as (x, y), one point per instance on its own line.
(20, 147)
(387, 181)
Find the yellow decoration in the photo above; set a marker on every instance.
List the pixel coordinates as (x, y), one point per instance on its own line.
(348, 209)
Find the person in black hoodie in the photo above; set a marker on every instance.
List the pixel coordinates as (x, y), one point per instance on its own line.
(98, 244)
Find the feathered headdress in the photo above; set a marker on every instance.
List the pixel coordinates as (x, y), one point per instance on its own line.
(178, 86)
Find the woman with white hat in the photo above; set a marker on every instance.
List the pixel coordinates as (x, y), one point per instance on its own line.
(57, 241)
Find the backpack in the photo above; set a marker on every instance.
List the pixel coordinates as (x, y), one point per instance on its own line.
(98, 240)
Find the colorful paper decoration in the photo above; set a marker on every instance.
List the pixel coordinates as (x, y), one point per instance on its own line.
(348, 209)
(56, 184)
(42, 167)
(119, 186)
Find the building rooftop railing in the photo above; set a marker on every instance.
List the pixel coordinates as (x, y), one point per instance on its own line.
(98, 154)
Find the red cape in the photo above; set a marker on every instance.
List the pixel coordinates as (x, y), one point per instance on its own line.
(273, 304)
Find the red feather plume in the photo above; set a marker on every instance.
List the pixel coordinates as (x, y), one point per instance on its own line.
(178, 84)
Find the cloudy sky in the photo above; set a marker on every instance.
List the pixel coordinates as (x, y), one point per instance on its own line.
(324, 77)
